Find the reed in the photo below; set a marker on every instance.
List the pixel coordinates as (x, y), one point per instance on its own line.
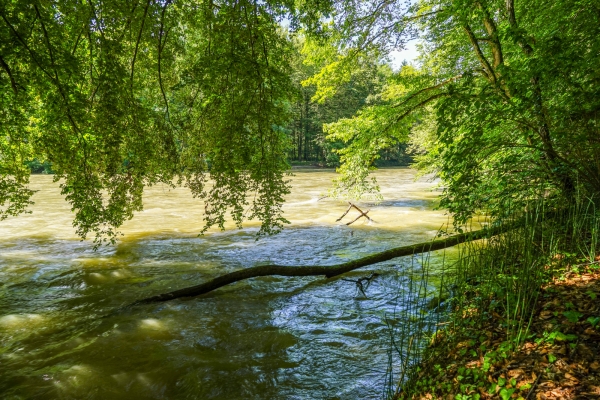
(499, 277)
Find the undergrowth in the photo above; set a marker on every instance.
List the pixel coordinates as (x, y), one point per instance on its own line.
(483, 306)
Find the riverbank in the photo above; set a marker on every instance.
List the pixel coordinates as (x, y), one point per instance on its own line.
(557, 358)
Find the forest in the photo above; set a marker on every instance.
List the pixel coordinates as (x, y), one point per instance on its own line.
(502, 106)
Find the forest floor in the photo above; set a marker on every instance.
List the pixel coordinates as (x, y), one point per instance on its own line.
(558, 359)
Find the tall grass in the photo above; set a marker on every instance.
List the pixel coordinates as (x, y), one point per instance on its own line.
(498, 277)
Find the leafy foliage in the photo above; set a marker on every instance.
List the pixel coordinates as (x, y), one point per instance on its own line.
(512, 89)
(121, 95)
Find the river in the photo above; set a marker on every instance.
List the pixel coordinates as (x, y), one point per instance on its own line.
(266, 338)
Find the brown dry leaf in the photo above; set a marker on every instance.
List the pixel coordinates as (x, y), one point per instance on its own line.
(595, 366)
(513, 373)
(590, 331)
(547, 395)
(533, 375)
(525, 382)
(571, 377)
(546, 314)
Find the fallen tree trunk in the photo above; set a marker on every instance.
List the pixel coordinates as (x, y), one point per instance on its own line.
(328, 271)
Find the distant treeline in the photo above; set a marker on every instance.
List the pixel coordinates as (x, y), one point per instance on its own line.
(309, 144)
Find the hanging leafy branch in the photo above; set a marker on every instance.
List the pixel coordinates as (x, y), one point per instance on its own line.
(118, 96)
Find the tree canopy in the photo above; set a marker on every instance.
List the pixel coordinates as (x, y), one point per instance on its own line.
(505, 103)
(118, 95)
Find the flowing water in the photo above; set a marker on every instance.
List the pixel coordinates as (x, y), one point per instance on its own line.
(266, 338)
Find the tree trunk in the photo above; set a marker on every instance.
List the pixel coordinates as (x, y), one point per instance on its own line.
(329, 271)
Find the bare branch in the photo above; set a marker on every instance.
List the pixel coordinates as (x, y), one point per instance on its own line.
(56, 77)
(362, 214)
(161, 46)
(344, 214)
(439, 85)
(512, 20)
(484, 62)
(13, 83)
(510, 9)
(490, 27)
(24, 43)
(137, 44)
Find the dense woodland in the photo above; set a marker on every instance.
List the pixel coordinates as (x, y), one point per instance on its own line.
(117, 96)
(503, 105)
(308, 141)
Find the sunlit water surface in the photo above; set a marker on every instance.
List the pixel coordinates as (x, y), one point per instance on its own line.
(266, 338)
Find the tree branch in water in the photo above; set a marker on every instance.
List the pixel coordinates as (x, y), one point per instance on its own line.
(362, 214)
(329, 271)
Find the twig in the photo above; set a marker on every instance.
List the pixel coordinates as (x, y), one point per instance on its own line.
(533, 386)
(363, 214)
(586, 264)
(344, 214)
(359, 282)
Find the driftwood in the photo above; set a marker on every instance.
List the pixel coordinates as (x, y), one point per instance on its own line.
(362, 214)
(328, 271)
(363, 283)
(344, 214)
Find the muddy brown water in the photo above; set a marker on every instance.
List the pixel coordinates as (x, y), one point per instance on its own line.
(266, 338)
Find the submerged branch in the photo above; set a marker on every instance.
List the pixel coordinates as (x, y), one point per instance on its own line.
(329, 271)
(362, 214)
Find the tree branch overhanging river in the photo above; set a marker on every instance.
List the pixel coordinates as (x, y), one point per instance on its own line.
(329, 271)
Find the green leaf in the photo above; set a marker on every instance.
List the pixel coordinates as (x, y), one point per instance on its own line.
(506, 393)
(594, 321)
(572, 316)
